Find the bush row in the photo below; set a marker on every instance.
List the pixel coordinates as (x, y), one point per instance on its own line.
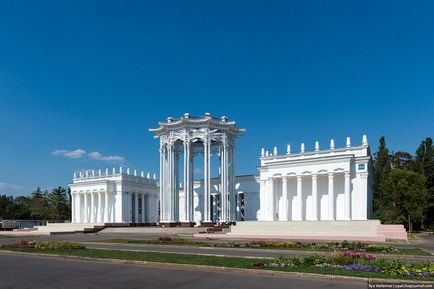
(45, 245)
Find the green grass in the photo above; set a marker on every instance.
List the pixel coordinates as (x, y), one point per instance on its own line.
(413, 251)
(231, 262)
(186, 242)
(234, 262)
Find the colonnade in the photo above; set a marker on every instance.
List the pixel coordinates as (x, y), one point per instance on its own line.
(170, 180)
(93, 207)
(269, 202)
(142, 209)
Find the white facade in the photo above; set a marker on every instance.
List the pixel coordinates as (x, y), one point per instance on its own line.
(116, 197)
(331, 184)
(189, 137)
(246, 199)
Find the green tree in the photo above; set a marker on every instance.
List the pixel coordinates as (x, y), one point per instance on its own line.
(39, 205)
(6, 203)
(59, 201)
(401, 160)
(381, 168)
(424, 163)
(404, 196)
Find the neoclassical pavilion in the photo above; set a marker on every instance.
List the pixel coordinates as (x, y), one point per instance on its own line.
(191, 136)
(101, 197)
(330, 184)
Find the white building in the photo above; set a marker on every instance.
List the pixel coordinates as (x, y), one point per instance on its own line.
(322, 194)
(329, 184)
(114, 197)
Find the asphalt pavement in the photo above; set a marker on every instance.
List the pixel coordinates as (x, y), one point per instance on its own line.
(46, 273)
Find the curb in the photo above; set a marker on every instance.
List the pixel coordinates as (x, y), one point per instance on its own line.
(214, 268)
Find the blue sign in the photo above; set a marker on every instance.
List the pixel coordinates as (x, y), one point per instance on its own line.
(361, 167)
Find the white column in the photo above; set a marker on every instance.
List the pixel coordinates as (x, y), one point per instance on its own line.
(262, 200)
(92, 207)
(99, 208)
(113, 207)
(106, 208)
(272, 212)
(186, 181)
(85, 209)
(232, 192)
(73, 208)
(347, 196)
(172, 182)
(176, 182)
(299, 198)
(78, 208)
(191, 188)
(283, 216)
(144, 208)
(162, 182)
(206, 181)
(136, 208)
(331, 196)
(314, 197)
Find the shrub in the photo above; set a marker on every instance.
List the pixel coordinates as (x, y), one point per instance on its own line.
(164, 239)
(382, 248)
(396, 267)
(315, 260)
(287, 262)
(19, 244)
(259, 264)
(58, 245)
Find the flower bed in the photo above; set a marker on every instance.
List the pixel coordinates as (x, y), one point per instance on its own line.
(353, 261)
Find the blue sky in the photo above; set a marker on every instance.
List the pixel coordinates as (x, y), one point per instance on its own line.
(96, 75)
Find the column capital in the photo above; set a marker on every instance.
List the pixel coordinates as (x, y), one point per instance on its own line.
(299, 177)
(284, 179)
(347, 174)
(331, 175)
(314, 176)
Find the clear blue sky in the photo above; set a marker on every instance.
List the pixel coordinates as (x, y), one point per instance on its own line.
(95, 75)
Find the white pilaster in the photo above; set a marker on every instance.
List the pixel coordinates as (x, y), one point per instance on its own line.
(271, 200)
(283, 215)
(331, 197)
(299, 198)
(347, 196)
(364, 195)
(314, 197)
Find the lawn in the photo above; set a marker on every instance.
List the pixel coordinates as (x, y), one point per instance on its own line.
(319, 247)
